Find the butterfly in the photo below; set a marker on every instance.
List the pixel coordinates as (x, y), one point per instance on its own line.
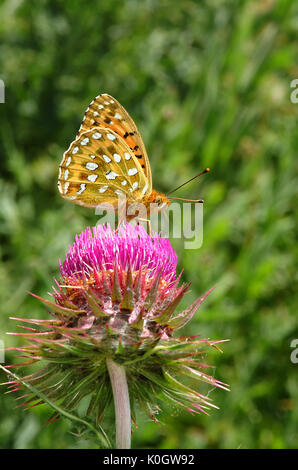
(108, 160)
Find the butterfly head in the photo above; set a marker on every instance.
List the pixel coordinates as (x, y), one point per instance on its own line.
(158, 200)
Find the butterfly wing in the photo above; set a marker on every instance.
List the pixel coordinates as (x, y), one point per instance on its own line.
(105, 111)
(99, 167)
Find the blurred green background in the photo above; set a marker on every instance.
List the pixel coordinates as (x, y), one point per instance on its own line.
(208, 84)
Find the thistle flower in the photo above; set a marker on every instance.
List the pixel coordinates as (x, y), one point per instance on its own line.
(115, 315)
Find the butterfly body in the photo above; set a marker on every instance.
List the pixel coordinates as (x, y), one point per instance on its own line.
(108, 161)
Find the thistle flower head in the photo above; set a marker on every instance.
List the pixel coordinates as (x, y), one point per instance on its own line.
(117, 298)
(129, 247)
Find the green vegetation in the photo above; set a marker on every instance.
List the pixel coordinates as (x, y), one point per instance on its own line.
(208, 84)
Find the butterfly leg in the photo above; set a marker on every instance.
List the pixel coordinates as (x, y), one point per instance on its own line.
(122, 215)
(120, 222)
(149, 224)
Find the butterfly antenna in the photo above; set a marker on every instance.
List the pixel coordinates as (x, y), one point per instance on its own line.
(187, 200)
(199, 174)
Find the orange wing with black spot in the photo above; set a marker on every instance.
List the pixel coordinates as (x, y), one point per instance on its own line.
(105, 111)
(99, 167)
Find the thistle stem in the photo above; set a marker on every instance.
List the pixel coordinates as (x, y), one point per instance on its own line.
(122, 405)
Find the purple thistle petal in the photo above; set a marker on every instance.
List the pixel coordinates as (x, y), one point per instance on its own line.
(103, 248)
